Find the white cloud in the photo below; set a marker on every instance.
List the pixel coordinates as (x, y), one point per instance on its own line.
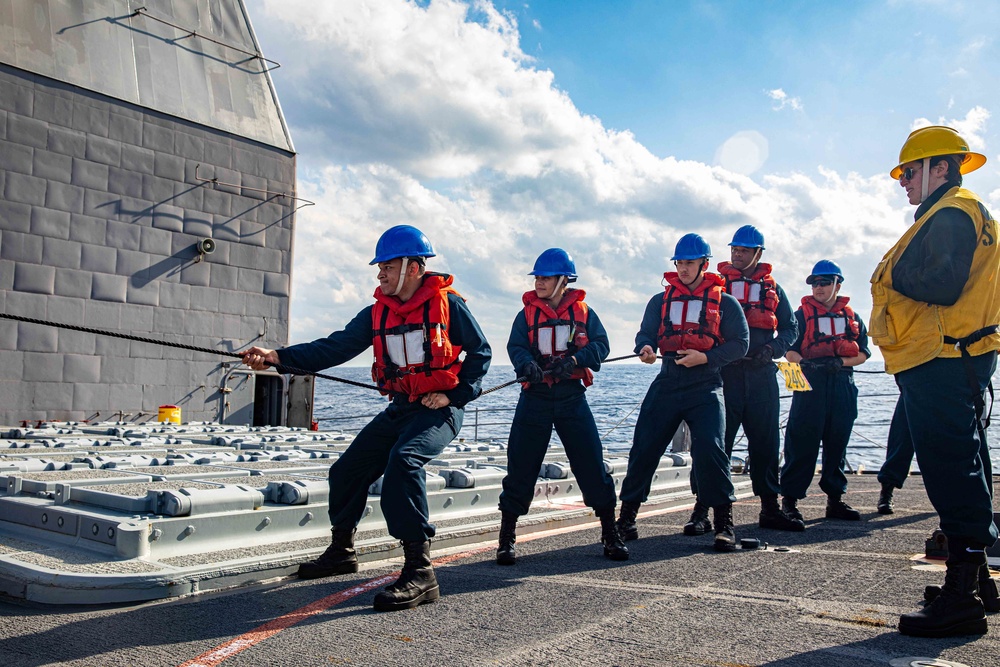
(972, 127)
(783, 100)
(433, 116)
(972, 48)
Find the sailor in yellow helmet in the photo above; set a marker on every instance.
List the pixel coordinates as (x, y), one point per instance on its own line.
(935, 311)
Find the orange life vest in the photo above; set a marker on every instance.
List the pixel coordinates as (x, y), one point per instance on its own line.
(689, 320)
(554, 334)
(757, 294)
(413, 353)
(829, 333)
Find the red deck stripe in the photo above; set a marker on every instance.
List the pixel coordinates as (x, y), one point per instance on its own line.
(250, 639)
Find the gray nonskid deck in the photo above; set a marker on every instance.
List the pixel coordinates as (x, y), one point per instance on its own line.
(833, 599)
(87, 520)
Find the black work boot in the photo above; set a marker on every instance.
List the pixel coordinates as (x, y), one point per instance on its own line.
(790, 506)
(339, 557)
(957, 610)
(699, 523)
(772, 517)
(417, 583)
(626, 521)
(884, 505)
(987, 591)
(614, 545)
(838, 509)
(505, 552)
(725, 536)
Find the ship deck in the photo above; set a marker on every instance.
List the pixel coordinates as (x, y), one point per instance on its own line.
(828, 596)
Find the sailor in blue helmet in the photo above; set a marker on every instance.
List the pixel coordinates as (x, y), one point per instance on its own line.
(832, 340)
(430, 358)
(751, 388)
(556, 344)
(698, 329)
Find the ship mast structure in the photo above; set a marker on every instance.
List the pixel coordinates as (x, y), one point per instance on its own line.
(148, 187)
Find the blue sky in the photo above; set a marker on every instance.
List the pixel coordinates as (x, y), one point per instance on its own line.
(684, 76)
(611, 129)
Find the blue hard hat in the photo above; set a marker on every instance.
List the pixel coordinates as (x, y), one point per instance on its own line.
(692, 246)
(401, 241)
(748, 236)
(825, 268)
(555, 262)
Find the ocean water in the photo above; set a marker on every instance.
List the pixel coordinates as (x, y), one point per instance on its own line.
(614, 398)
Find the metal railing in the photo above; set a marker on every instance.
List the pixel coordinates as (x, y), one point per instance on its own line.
(486, 422)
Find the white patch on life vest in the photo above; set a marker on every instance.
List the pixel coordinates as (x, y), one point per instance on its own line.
(397, 349)
(830, 326)
(562, 337)
(545, 335)
(407, 349)
(553, 339)
(739, 291)
(681, 315)
(415, 347)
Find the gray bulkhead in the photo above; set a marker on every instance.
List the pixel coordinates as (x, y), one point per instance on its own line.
(128, 135)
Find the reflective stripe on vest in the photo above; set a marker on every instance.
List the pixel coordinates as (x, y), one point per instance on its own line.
(414, 354)
(554, 333)
(690, 320)
(758, 294)
(829, 333)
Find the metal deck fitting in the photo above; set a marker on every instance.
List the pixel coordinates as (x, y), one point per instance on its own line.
(101, 513)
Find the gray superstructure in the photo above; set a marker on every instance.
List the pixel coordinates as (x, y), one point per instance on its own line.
(129, 134)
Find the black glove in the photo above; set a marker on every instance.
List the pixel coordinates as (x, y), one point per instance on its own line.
(764, 355)
(531, 372)
(808, 364)
(563, 368)
(833, 364)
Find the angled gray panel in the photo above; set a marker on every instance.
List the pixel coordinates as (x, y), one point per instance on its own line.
(108, 47)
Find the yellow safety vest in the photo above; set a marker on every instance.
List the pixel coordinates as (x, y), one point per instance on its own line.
(911, 333)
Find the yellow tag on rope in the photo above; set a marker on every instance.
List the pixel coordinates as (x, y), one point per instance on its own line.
(795, 380)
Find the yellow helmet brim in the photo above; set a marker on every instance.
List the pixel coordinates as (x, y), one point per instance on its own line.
(971, 162)
(937, 141)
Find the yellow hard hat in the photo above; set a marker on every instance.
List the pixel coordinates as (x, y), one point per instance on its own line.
(933, 141)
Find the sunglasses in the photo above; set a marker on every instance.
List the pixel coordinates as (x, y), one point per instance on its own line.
(822, 282)
(908, 173)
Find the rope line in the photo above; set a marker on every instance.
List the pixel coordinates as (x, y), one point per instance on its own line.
(281, 368)
(622, 421)
(524, 379)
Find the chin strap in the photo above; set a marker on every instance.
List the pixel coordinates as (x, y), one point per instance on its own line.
(925, 178)
(402, 276)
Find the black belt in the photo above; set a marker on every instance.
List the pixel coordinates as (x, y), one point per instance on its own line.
(962, 344)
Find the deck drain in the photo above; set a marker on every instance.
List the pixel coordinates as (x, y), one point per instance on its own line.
(924, 662)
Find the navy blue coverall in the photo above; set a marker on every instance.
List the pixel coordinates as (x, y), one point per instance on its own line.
(751, 391)
(564, 405)
(693, 395)
(898, 449)
(405, 436)
(826, 414)
(936, 410)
